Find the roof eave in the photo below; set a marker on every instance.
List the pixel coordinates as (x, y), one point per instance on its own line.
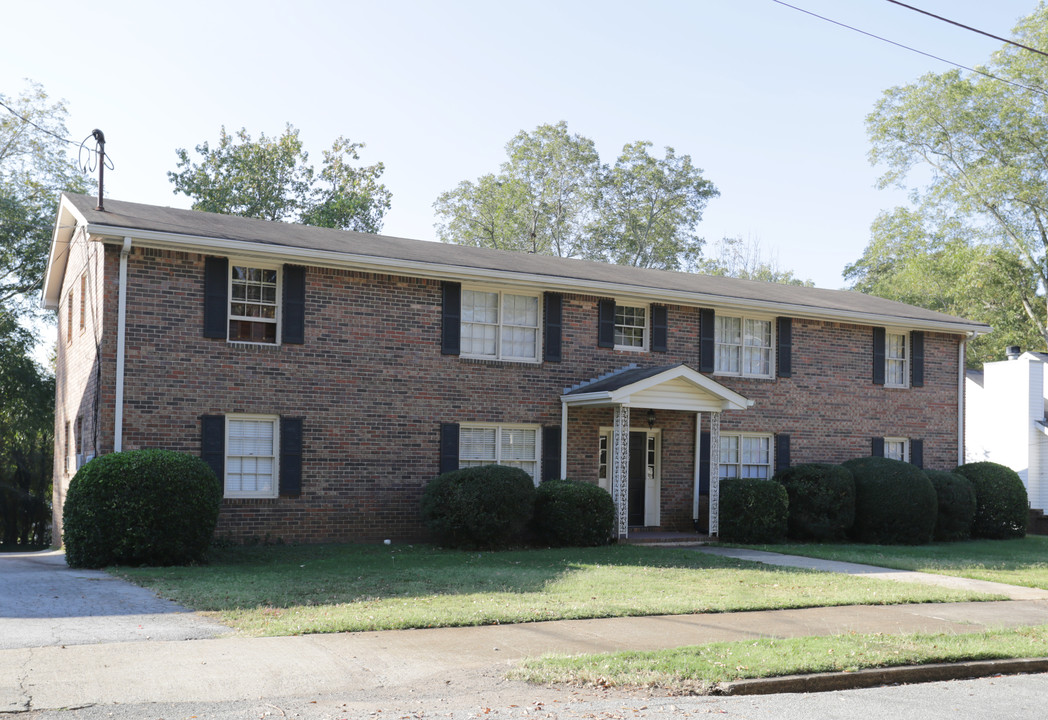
(442, 271)
(66, 224)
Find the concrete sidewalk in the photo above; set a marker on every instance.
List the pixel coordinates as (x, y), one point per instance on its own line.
(429, 666)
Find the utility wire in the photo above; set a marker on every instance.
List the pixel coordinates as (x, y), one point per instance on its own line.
(1039, 91)
(42, 129)
(966, 27)
(87, 166)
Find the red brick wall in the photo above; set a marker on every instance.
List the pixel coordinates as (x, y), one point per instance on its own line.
(373, 387)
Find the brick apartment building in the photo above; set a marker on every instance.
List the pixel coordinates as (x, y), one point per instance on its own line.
(326, 375)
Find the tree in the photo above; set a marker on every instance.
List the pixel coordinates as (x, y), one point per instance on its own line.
(979, 144)
(271, 179)
(738, 258)
(34, 170)
(553, 196)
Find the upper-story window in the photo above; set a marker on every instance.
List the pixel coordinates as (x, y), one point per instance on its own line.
(253, 294)
(896, 362)
(743, 346)
(631, 327)
(500, 325)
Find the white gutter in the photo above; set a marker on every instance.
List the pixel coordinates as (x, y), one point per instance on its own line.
(121, 323)
(447, 271)
(961, 351)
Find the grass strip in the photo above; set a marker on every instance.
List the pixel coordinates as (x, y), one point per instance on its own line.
(697, 669)
(1022, 561)
(291, 590)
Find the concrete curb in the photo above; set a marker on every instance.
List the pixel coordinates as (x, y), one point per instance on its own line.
(879, 677)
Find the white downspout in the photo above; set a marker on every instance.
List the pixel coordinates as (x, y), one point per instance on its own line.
(118, 414)
(960, 399)
(563, 440)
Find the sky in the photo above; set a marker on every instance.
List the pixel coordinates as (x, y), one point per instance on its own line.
(769, 101)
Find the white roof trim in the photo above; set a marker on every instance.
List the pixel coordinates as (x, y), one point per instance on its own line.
(710, 395)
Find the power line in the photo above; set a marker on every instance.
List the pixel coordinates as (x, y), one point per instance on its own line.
(966, 27)
(42, 129)
(913, 49)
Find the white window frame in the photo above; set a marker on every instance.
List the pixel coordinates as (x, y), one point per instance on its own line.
(645, 329)
(740, 460)
(498, 459)
(890, 360)
(903, 445)
(278, 304)
(500, 325)
(742, 346)
(274, 490)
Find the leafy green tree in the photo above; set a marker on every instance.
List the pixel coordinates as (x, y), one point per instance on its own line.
(744, 259)
(553, 196)
(648, 210)
(34, 170)
(540, 201)
(271, 179)
(973, 148)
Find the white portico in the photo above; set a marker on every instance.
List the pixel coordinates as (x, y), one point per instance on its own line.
(669, 387)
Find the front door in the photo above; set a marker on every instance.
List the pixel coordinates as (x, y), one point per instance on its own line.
(638, 477)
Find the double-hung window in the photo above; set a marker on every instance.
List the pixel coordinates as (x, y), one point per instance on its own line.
(897, 448)
(631, 327)
(252, 448)
(500, 325)
(743, 346)
(253, 293)
(746, 456)
(512, 445)
(896, 361)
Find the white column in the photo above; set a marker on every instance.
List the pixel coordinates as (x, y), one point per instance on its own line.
(715, 473)
(698, 478)
(621, 467)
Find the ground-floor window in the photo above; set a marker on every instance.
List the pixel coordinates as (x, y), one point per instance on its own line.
(746, 456)
(251, 456)
(897, 448)
(512, 445)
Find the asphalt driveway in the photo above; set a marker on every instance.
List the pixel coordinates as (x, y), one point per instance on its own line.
(44, 602)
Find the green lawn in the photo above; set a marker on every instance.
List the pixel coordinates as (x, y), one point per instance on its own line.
(1015, 562)
(697, 669)
(288, 590)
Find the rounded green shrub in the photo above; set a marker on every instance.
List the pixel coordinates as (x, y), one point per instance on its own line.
(822, 501)
(752, 511)
(895, 502)
(956, 500)
(1002, 508)
(573, 514)
(488, 506)
(140, 507)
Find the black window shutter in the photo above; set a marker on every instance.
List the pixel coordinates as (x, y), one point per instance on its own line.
(917, 358)
(550, 452)
(917, 453)
(216, 302)
(451, 328)
(879, 338)
(706, 348)
(659, 329)
(784, 361)
(213, 445)
(606, 324)
(449, 447)
(877, 447)
(293, 314)
(290, 457)
(552, 320)
(704, 462)
(782, 451)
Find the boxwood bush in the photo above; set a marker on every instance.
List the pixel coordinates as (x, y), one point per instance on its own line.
(956, 500)
(1002, 508)
(569, 513)
(752, 511)
(895, 502)
(822, 501)
(140, 507)
(488, 506)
